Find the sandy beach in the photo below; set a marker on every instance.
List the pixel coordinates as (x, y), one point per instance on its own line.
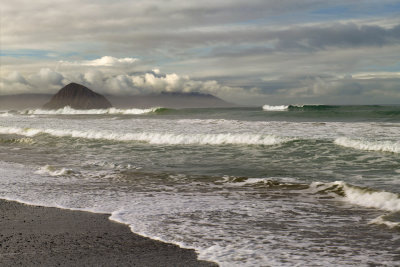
(41, 236)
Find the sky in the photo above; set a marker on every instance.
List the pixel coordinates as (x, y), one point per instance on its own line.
(251, 52)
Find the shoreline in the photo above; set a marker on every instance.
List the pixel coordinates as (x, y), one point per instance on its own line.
(45, 236)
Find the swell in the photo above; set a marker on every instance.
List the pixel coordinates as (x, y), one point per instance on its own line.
(155, 138)
(363, 112)
(312, 107)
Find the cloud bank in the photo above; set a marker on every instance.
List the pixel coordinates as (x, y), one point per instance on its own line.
(98, 78)
(251, 52)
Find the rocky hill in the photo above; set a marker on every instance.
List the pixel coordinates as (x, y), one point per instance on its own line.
(77, 96)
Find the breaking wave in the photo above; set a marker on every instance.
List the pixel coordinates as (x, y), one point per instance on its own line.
(114, 111)
(6, 114)
(52, 171)
(365, 197)
(384, 146)
(360, 196)
(299, 107)
(275, 108)
(385, 220)
(156, 138)
(24, 140)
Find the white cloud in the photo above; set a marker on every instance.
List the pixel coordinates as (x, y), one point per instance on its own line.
(48, 81)
(16, 77)
(156, 71)
(150, 83)
(106, 61)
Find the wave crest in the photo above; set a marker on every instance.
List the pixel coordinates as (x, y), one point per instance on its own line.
(384, 146)
(6, 114)
(298, 107)
(275, 108)
(156, 138)
(52, 171)
(364, 197)
(385, 220)
(113, 111)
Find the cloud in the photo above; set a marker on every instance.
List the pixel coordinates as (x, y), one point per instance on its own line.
(359, 88)
(241, 50)
(14, 83)
(159, 26)
(377, 89)
(337, 35)
(150, 82)
(16, 77)
(106, 61)
(48, 81)
(40, 82)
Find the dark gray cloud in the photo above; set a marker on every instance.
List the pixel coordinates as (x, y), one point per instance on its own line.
(148, 25)
(337, 35)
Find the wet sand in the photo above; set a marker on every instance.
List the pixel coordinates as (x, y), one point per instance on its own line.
(41, 236)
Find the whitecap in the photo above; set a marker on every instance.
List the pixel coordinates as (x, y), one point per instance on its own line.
(52, 171)
(364, 197)
(361, 144)
(275, 108)
(156, 138)
(6, 114)
(382, 220)
(70, 111)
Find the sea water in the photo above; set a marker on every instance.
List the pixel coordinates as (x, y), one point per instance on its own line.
(267, 186)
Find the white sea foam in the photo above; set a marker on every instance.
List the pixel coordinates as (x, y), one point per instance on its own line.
(52, 171)
(6, 114)
(25, 140)
(70, 111)
(155, 138)
(384, 146)
(218, 225)
(275, 108)
(242, 181)
(361, 196)
(113, 165)
(381, 220)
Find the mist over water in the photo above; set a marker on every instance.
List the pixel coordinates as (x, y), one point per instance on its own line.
(281, 186)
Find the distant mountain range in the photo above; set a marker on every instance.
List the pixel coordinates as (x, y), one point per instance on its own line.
(164, 99)
(169, 100)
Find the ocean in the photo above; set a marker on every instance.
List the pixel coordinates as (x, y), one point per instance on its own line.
(310, 185)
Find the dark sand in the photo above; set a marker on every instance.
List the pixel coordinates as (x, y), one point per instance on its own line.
(40, 236)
